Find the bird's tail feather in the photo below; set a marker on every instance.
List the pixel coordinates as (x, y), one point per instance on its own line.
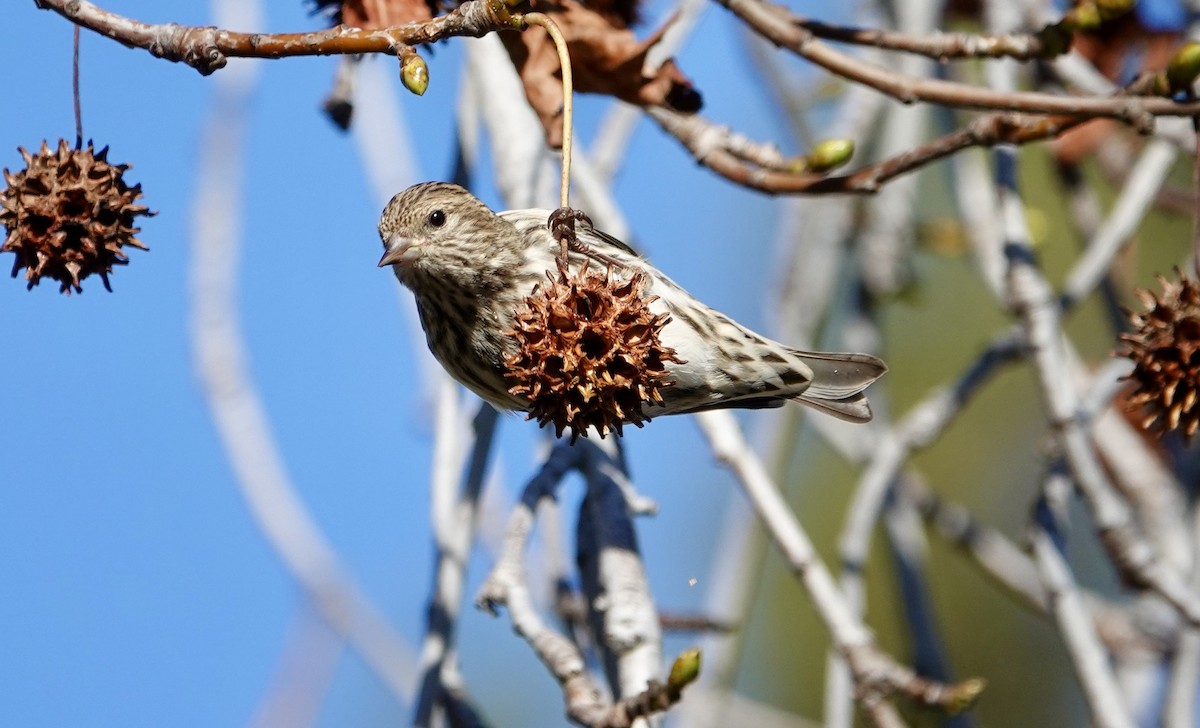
(838, 383)
(838, 377)
(854, 408)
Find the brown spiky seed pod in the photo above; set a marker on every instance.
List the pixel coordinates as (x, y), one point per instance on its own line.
(1165, 349)
(589, 352)
(68, 214)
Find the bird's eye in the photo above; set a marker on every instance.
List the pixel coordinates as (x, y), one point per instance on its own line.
(437, 218)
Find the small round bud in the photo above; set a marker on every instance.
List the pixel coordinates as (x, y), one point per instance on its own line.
(502, 11)
(829, 155)
(414, 73)
(685, 670)
(1184, 67)
(1110, 9)
(1084, 17)
(960, 696)
(1161, 86)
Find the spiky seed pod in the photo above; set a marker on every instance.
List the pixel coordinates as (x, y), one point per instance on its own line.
(68, 214)
(589, 352)
(1165, 349)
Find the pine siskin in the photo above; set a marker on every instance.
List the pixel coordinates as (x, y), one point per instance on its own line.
(471, 270)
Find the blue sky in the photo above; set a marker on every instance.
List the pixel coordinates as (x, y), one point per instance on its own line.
(137, 590)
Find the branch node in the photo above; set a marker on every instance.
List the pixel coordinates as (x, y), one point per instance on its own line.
(195, 46)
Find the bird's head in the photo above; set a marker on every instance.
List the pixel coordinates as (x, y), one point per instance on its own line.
(441, 233)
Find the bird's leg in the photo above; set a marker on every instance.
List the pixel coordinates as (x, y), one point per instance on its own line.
(562, 227)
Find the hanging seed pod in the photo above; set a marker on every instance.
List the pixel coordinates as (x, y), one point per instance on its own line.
(1165, 349)
(69, 214)
(589, 352)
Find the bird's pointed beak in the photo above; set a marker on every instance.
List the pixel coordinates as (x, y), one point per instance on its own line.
(399, 250)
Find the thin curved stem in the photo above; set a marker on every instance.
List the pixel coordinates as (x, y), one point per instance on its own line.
(75, 90)
(564, 60)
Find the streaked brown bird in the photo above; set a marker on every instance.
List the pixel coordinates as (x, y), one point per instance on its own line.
(471, 268)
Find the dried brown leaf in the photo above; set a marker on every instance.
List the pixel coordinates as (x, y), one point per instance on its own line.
(606, 58)
(385, 13)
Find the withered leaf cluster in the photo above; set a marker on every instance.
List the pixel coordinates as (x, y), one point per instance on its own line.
(384, 13)
(69, 214)
(606, 56)
(1165, 349)
(589, 352)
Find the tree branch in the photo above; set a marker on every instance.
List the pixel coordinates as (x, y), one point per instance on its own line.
(777, 24)
(877, 676)
(207, 48)
(753, 165)
(939, 46)
(1075, 622)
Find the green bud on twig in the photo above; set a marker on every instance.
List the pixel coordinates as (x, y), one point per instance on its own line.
(1161, 86)
(829, 155)
(1184, 67)
(963, 695)
(1110, 9)
(685, 670)
(414, 73)
(1084, 17)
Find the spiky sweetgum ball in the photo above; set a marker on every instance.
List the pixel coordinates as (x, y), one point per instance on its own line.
(69, 214)
(589, 352)
(1165, 349)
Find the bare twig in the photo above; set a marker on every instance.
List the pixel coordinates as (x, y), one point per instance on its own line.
(305, 670)
(207, 49)
(1035, 306)
(506, 586)
(570, 606)
(712, 145)
(876, 675)
(621, 609)
(1196, 205)
(626, 628)
(1077, 626)
(542, 486)
(777, 24)
(1117, 230)
(460, 711)
(725, 438)
(998, 558)
(910, 551)
(454, 525)
(1179, 710)
(938, 46)
(923, 424)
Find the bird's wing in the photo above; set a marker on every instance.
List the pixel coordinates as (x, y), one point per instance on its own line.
(610, 240)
